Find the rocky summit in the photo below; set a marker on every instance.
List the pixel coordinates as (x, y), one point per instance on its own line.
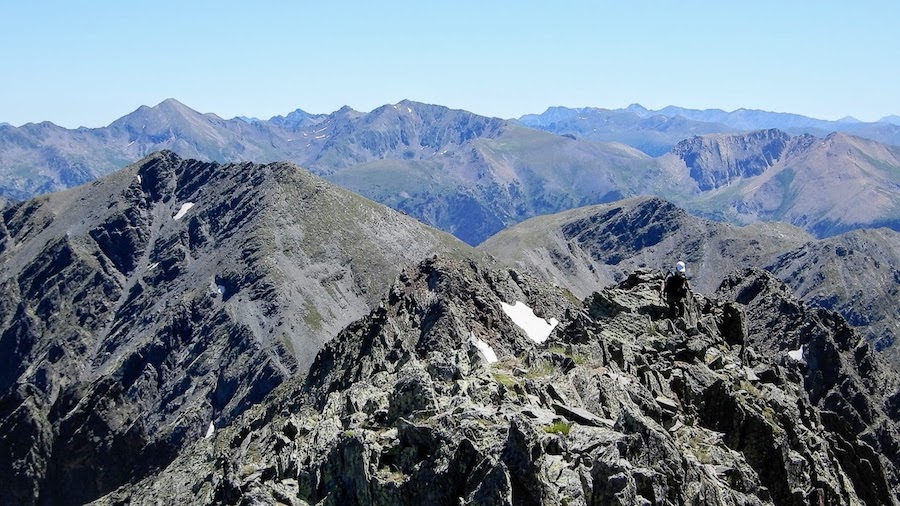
(470, 385)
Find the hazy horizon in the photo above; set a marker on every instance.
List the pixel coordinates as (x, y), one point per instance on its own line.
(87, 65)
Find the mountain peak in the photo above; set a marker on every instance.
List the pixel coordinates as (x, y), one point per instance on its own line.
(639, 110)
(228, 277)
(171, 103)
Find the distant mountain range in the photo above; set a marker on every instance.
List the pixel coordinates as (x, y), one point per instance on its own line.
(467, 174)
(473, 176)
(826, 186)
(656, 132)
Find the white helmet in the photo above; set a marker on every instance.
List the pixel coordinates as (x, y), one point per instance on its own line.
(679, 267)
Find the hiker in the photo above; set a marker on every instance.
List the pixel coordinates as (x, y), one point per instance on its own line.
(675, 289)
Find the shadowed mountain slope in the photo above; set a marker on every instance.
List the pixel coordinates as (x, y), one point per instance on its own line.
(168, 297)
(856, 274)
(438, 397)
(585, 249)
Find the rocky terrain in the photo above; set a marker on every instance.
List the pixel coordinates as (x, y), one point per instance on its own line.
(142, 310)
(720, 160)
(583, 250)
(191, 332)
(856, 274)
(439, 396)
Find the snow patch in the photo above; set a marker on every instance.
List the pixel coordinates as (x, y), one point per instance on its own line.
(409, 109)
(184, 209)
(152, 266)
(139, 180)
(537, 329)
(484, 349)
(210, 430)
(797, 354)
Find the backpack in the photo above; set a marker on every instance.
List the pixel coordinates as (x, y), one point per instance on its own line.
(676, 284)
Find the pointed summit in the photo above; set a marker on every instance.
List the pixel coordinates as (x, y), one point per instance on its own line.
(170, 103)
(639, 110)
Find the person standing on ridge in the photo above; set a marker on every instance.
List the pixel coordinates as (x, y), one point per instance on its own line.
(675, 289)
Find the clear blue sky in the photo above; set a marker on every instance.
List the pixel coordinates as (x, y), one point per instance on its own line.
(88, 63)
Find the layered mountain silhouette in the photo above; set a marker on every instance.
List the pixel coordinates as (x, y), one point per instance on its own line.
(466, 174)
(167, 298)
(473, 176)
(657, 131)
(654, 134)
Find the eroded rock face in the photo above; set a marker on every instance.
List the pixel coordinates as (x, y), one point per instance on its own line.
(618, 406)
(716, 160)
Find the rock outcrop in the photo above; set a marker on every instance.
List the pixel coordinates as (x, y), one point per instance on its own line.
(715, 161)
(439, 397)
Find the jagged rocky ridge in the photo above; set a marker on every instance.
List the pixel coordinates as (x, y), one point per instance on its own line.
(139, 310)
(856, 273)
(619, 406)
